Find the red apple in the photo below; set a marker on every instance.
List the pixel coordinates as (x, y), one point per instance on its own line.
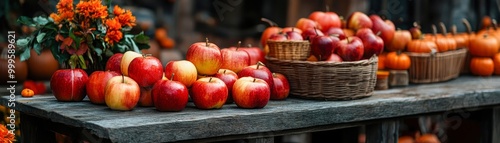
(96, 85)
(278, 37)
(146, 100)
(122, 93)
(256, 54)
(249, 92)
(169, 95)
(334, 58)
(114, 63)
(69, 84)
(334, 31)
(351, 49)
(281, 87)
(288, 29)
(209, 93)
(126, 59)
(358, 20)
(205, 56)
(385, 27)
(290, 35)
(310, 33)
(305, 23)
(373, 45)
(228, 77)
(326, 19)
(415, 31)
(145, 70)
(323, 46)
(235, 59)
(184, 72)
(273, 29)
(258, 71)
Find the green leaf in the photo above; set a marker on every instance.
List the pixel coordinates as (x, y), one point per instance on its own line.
(40, 20)
(23, 43)
(25, 20)
(90, 57)
(98, 51)
(73, 61)
(59, 56)
(82, 62)
(134, 46)
(121, 48)
(141, 38)
(143, 46)
(25, 55)
(40, 37)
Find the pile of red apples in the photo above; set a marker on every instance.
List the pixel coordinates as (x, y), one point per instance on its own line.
(211, 76)
(334, 39)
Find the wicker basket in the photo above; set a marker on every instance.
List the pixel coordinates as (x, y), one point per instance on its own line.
(466, 67)
(289, 50)
(328, 80)
(428, 68)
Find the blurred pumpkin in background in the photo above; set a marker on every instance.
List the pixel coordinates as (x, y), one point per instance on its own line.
(20, 68)
(41, 67)
(482, 66)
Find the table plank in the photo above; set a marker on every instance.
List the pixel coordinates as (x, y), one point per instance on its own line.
(144, 124)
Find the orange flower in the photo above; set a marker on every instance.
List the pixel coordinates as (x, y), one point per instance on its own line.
(124, 16)
(113, 36)
(64, 11)
(92, 9)
(113, 24)
(5, 135)
(56, 18)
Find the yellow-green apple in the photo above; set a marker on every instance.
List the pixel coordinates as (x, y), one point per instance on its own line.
(306, 23)
(114, 63)
(256, 54)
(234, 59)
(96, 85)
(273, 29)
(209, 93)
(205, 56)
(69, 84)
(323, 46)
(146, 100)
(122, 93)
(334, 31)
(281, 87)
(358, 20)
(310, 33)
(228, 77)
(249, 92)
(169, 95)
(385, 27)
(415, 31)
(258, 71)
(184, 72)
(351, 49)
(334, 58)
(326, 19)
(145, 70)
(126, 59)
(373, 44)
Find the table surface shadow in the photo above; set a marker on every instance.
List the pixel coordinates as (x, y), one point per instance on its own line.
(145, 124)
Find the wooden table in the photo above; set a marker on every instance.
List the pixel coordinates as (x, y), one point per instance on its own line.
(380, 112)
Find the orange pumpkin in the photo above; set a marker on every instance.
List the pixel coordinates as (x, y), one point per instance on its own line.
(397, 61)
(482, 66)
(406, 139)
(427, 138)
(422, 46)
(452, 44)
(381, 61)
(312, 58)
(484, 46)
(470, 34)
(400, 40)
(27, 92)
(460, 39)
(496, 62)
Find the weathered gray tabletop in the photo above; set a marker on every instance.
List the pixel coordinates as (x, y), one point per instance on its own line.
(145, 124)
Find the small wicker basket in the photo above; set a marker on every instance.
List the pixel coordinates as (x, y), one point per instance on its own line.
(429, 68)
(328, 80)
(289, 50)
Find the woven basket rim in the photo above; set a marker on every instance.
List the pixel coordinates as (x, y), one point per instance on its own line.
(442, 54)
(288, 41)
(374, 58)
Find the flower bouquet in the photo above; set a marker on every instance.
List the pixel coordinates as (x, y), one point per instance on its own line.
(83, 36)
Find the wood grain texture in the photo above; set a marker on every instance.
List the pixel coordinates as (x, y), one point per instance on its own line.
(145, 124)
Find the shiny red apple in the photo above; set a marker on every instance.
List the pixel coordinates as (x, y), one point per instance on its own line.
(169, 95)
(281, 87)
(305, 23)
(97, 83)
(258, 71)
(326, 19)
(385, 27)
(146, 99)
(69, 84)
(310, 33)
(351, 49)
(323, 46)
(145, 70)
(114, 63)
(205, 56)
(228, 77)
(334, 31)
(235, 59)
(256, 54)
(209, 93)
(373, 44)
(249, 92)
(358, 20)
(183, 71)
(122, 93)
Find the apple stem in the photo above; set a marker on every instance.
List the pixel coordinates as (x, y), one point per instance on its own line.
(254, 79)
(274, 74)
(415, 24)
(259, 64)
(239, 44)
(146, 55)
(123, 78)
(225, 71)
(293, 29)
(378, 33)
(315, 30)
(249, 45)
(327, 8)
(172, 77)
(206, 41)
(210, 80)
(348, 41)
(271, 23)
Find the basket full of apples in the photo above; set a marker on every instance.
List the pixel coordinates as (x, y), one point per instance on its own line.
(342, 65)
(286, 43)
